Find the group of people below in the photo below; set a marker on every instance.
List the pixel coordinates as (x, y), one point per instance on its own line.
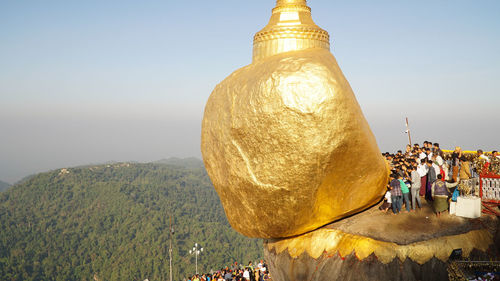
(426, 172)
(236, 272)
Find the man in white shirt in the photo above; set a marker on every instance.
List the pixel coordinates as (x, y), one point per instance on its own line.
(416, 183)
(422, 169)
(429, 153)
(246, 274)
(435, 164)
(439, 160)
(421, 154)
(481, 155)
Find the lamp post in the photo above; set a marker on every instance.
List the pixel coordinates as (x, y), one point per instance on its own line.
(195, 251)
(170, 248)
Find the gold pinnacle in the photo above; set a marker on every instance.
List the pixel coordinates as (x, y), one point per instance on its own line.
(290, 28)
(290, 2)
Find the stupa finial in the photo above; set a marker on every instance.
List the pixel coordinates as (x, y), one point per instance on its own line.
(290, 28)
(290, 2)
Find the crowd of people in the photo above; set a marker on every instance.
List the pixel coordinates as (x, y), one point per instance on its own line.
(426, 172)
(237, 272)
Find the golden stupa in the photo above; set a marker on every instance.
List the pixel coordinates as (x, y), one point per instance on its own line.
(284, 140)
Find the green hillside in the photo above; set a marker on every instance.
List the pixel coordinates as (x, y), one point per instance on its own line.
(3, 186)
(111, 222)
(191, 162)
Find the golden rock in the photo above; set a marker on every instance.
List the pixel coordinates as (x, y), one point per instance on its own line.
(284, 140)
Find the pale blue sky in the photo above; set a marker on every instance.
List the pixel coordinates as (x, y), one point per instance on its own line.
(93, 81)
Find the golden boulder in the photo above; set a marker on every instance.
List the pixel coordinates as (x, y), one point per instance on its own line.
(284, 140)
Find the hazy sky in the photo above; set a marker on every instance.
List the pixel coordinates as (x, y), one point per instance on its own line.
(94, 81)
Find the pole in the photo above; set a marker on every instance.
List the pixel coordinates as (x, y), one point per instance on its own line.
(196, 251)
(170, 253)
(170, 248)
(408, 130)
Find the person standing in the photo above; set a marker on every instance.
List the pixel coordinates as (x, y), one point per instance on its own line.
(439, 158)
(436, 149)
(421, 153)
(481, 155)
(455, 162)
(246, 274)
(415, 188)
(250, 265)
(396, 194)
(465, 173)
(429, 153)
(422, 170)
(257, 274)
(494, 154)
(431, 178)
(440, 194)
(406, 193)
(263, 270)
(408, 151)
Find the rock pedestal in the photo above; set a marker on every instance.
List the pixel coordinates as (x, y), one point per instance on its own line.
(415, 246)
(350, 268)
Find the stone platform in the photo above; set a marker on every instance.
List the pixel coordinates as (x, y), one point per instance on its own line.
(409, 227)
(374, 245)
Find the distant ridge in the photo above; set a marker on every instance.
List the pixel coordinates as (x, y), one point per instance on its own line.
(190, 162)
(111, 222)
(4, 186)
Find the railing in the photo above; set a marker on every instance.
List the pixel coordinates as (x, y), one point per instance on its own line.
(465, 270)
(490, 193)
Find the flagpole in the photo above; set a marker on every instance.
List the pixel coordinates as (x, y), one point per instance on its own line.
(408, 130)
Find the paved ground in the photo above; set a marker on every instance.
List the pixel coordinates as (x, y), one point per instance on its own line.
(406, 228)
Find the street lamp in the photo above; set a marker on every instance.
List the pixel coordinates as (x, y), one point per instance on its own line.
(195, 251)
(170, 248)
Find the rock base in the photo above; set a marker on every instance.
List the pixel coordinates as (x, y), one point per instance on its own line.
(380, 246)
(334, 267)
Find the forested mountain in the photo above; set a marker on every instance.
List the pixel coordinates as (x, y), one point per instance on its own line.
(110, 222)
(3, 186)
(191, 162)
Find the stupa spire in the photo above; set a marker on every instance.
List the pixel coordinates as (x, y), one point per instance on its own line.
(288, 2)
(290, 28)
